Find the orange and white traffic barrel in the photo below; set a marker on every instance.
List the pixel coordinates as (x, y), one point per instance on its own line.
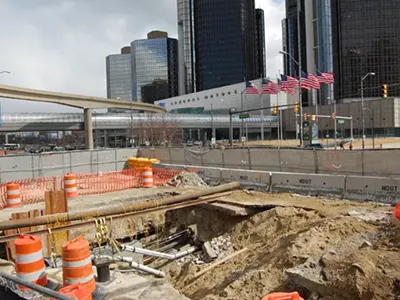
(70, 185)
(13, 195)
(283, 296)
(76, 291)
(29, 263)
(77, 264)
(147, 177)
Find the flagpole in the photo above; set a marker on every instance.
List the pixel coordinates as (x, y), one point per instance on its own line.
(279, 114)
(262, 111)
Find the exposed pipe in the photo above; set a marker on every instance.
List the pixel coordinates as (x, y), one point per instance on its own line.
(140, 267)
(117, 209)
(35, 287)
(158, 254)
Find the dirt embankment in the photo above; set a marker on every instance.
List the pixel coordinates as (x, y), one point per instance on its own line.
(323, 249)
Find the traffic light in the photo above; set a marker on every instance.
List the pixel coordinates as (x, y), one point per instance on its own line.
(384, 91)
(312, 117)
(333, 116)
(296, 107)
(305, 117)
(275, 112)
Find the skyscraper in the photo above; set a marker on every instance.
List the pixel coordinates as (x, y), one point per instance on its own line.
(315, 41)
(224, 42)
(119, 75)
(187, 54)
(154, 67)
(366, 38)
(260, 44)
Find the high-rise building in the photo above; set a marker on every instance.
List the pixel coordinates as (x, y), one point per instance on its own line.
(154, 67)
(187, 54)
(224, 42)
(119, 75)
(260, 44)
(315, 41)
(366, 38)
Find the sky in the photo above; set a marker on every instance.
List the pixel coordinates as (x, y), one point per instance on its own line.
(61, 45)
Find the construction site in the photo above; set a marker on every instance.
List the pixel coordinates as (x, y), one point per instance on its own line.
(160, 231)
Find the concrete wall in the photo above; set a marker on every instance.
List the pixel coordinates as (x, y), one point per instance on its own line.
(360, 188)
(383, 163)
(42, 165)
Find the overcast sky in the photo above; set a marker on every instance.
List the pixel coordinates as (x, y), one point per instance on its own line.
(61, 45)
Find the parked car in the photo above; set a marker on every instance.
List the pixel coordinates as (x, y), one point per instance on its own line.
(314, 146)
(190, 144)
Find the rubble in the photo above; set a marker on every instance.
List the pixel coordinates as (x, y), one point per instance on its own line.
(186, 179)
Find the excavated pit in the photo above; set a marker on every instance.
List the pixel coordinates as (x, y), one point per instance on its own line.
(329, 250)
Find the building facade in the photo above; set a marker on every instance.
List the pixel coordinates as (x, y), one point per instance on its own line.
(366, 38)
(316, 44)
(187, 54)
(260, 44)
(154, 68)
(224, 42)
(119, 75)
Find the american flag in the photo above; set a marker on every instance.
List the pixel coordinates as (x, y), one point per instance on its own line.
(325, 77)
(284, 88)
(289, 82)
(305, 81)
(251, 88)
(270, 87)
(314, 81)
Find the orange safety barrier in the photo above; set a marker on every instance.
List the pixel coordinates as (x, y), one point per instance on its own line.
(396, 211)
(76, 291)
(32, 190)
(283, 296)
(29, 263)
(147, 177)
(13, 195)
(77, 264)
(70, 186)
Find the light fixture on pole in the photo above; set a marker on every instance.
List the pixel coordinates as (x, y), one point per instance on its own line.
(362, 106)
(5, 72)
(300, 94)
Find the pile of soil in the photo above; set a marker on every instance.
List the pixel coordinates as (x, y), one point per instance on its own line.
(321, 249)
(186, 179)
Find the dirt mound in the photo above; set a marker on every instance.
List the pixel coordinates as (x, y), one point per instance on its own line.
(337, 256)
(186, 179)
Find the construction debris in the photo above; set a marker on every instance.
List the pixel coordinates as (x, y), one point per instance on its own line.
(187, 179)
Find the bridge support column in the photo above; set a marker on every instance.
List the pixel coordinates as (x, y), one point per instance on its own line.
(88, 125)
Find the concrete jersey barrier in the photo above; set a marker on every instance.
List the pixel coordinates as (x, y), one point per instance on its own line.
(361, 188)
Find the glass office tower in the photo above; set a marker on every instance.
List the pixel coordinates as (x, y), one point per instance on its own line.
(225, 44)
(366, 38)
(119, 75)
(260, 44)
(154, 68)
(187, 54)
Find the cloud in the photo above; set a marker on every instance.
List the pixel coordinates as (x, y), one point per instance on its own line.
(61, 45)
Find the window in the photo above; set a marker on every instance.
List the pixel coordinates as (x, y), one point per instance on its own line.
(229, 93)
(222, 94)
(205, 97)
(235, 91)
(212, 96)
(216, 95)
(184, 101)
(176, 103)
(180, 102)
(198, 98)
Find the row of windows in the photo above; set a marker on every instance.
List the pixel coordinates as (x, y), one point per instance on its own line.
(198, 98)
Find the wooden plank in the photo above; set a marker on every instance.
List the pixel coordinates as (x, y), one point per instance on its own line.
(56, 202)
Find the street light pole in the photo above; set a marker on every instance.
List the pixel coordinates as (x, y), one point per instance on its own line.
(212, 123)
(298, 63)
(300, 74)
(362, 106)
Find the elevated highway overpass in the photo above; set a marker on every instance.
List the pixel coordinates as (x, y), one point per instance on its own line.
(87, 103)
